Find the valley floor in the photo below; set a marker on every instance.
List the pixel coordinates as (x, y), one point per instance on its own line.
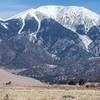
(56, 92)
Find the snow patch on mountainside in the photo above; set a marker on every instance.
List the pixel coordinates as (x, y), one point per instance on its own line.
(30, 13)
(23, 24)
(51, 66)
(4, 25)
(86, 40)
(39, 24)
(94, 58)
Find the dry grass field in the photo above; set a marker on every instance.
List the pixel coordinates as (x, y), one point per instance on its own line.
(56, 92)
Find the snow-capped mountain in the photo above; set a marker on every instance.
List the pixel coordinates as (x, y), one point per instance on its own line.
(71, 17)
(51, 35)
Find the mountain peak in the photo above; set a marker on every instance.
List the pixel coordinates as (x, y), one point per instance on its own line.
(53, 10)
(68, 16)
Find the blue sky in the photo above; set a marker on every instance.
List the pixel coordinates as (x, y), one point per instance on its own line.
(9, 8)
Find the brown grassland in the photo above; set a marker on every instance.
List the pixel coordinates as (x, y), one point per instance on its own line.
(48, 92)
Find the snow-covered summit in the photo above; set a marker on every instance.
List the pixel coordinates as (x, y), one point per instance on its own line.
(71, 16)
(68, 16)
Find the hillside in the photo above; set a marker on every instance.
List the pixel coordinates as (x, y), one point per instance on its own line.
(5, 77)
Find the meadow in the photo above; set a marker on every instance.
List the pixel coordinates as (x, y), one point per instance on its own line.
(48, 92)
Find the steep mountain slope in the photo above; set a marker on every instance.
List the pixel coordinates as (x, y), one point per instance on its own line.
(65, 37)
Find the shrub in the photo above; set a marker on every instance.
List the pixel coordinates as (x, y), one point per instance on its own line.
(9, 83)
(72, 82)
(81, 82)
